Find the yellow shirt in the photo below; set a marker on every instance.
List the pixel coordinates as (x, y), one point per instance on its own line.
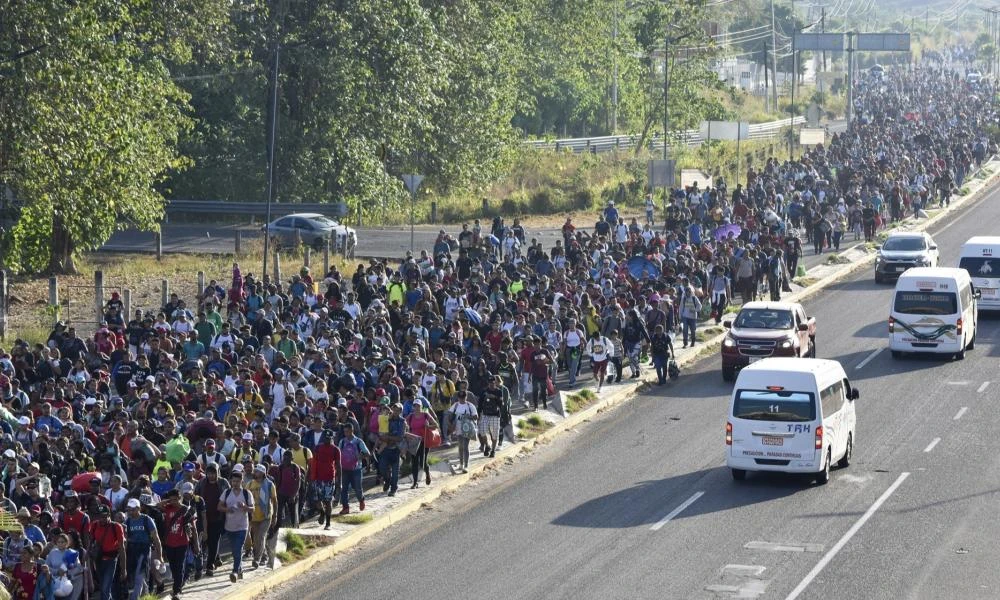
(253, 486)
(301, 457)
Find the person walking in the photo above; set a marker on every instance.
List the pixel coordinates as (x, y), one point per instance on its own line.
(419, 422)
(179, 529)
(491, 406)
(288, 480)
(463, 421)
(108, 550)
(599, 349)
(266, 511)
(237, 504)
(142, 545)
(323, 475)
(211, 488)
(661, 349)
(690, 308)
(392, 451)
(352, 451)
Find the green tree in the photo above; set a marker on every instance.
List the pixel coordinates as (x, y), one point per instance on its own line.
(89, 124)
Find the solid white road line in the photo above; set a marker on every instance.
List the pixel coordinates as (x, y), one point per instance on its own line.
(846, 538)
(983, 387)
(694, 497)
(869, 358)
(960, 412)
(931, 445)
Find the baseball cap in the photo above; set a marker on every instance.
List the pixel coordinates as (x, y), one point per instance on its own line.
(210, 442)
(248, 437)
(187, 487)
(259, 469)
(189, 466)
(133, 503)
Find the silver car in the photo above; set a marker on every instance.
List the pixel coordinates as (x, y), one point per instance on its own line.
(313, 229)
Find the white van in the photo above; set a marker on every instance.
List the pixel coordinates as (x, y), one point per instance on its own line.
(794, 415)
(980, 256)
(933, 310)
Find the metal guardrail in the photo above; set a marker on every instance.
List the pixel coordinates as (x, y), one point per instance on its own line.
(690, 137)
(257, 209)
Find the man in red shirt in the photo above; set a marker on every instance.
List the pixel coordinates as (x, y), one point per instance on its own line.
(72, 518)
(108, 550)
(177, 522)
(323, 476)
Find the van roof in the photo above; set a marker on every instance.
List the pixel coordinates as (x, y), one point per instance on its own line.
(983, 240)
(907, 234)
(792, 365)
(769, 305)
(950, 273)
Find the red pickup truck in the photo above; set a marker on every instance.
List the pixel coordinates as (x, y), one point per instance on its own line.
(763, 329)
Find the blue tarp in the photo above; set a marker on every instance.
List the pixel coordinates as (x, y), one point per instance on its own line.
(641, 267)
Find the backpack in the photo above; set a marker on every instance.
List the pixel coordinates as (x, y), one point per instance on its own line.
(350, 455)
(246, 495)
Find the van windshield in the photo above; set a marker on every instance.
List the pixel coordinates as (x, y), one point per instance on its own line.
(766, 405)
(980, 267)
(925, 303)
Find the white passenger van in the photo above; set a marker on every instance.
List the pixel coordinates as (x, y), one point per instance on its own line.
(980, 256)
(794, 415)
(933, 310)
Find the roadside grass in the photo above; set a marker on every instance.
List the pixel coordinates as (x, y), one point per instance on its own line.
(580, 400)
(836, 259)
(707, 333)
(532, 426)
(298, 547)
(349, 519)
(804, 281)
(433, 460)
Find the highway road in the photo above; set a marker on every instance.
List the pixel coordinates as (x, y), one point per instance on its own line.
(639, 503)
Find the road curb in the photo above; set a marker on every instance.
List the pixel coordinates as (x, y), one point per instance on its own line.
(617, 397)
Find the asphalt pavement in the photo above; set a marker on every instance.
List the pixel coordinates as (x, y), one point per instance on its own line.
(640, 504)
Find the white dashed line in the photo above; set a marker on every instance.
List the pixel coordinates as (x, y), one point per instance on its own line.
(983, 387)
(694, 497)
(960, 412)
(931, 445)
(847, 537)
(956, 383)
(869, 358)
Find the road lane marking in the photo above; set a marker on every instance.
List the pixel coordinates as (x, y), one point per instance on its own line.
(983, 387)
(869, 358)
(960, 412)
(931, 445)
(744, 570)
(694, 497)
(787, 547)
(823, 562)
(956, 383)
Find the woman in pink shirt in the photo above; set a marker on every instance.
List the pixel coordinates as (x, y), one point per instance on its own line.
(420, 421)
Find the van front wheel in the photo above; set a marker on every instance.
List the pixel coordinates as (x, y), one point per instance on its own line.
(823, 477)
(739, 474)
(960, 355)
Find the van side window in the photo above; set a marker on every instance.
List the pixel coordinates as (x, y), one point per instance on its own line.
(832, 398)
(966, 297)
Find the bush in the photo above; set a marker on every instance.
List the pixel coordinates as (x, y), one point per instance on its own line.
(583, 199)
(543, 202)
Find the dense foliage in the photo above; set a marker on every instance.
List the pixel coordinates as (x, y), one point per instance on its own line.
(109, 106)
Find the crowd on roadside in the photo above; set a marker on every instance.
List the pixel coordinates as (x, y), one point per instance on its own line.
(140, 450)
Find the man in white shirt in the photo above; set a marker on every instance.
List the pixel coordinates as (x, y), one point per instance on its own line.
(599, 348)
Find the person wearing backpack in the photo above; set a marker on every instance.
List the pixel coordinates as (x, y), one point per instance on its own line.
(142, 545)
(352, 449)
(265, 514)
(775, 275)
(661, 349)
(238, 505)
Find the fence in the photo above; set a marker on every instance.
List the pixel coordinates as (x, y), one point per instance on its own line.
(690, 137)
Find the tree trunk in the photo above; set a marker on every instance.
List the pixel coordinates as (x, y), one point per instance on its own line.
(61, 252)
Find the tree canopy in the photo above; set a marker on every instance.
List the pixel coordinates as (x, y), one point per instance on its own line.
(108, 107)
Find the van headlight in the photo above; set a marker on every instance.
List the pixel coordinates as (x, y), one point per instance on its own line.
(924, 261)
(786, 343)
(729, 342)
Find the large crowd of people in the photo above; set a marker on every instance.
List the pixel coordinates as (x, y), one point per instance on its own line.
(133, 457)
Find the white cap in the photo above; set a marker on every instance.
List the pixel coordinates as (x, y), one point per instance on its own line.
(9, 453)
(132, 503)
(24, 420)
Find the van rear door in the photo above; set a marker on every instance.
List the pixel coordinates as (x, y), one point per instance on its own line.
(774, 425)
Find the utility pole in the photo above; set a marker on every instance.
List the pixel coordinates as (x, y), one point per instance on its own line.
(614, 68)
(791, 105)
(270, 154)
(767, 90)
(774, 58)
(850, 76)
(822, 26)
(666, 88)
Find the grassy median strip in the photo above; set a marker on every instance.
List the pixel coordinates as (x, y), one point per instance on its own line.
(297, 547)
(532, 426)
(580, 400)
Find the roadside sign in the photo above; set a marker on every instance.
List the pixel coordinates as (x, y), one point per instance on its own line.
(660, 173)
(819, 41)
(812, 137)
(885, 42)
(412, 182)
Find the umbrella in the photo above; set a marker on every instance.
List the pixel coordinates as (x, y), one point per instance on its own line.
(202, 429)
(473, 316)
(641, 267)
(723, 231)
